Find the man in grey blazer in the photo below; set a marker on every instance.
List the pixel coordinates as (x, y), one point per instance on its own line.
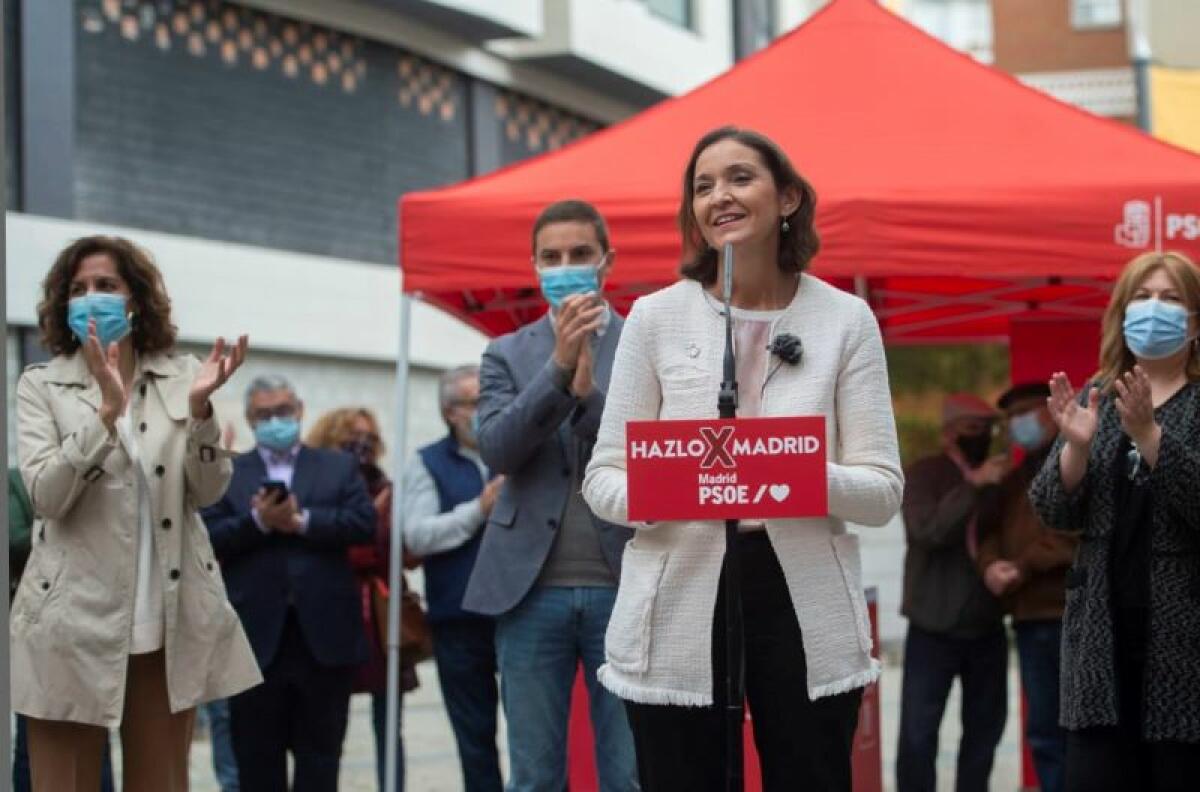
(547, 568)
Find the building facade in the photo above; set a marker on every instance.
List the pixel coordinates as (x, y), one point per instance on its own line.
(1115, 58)
(1076, 50)
(258, 149)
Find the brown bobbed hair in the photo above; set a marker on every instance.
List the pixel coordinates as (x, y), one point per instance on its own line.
(336, 428)
(1115, 357)
(152, 330)
(796, 248)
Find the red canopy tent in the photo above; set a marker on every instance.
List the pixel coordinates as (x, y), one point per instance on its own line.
(961, 204)
(950, 195)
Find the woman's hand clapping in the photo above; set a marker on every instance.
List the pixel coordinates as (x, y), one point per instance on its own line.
(1075, 421)
(1135, 405)
(214, 372)
(105, 368)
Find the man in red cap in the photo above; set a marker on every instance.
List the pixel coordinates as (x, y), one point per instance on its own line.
(955, 625)
(1026, 564)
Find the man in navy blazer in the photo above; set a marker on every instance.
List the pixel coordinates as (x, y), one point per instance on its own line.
(547, 567)
(281, 533)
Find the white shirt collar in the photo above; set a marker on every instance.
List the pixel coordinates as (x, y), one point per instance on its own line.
(272, 457)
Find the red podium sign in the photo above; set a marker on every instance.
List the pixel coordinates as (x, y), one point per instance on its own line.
(746, 468)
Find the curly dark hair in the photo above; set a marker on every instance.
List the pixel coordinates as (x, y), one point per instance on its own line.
(149, 303)
(797, 247)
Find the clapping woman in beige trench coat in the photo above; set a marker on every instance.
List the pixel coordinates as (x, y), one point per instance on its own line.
(121, 617)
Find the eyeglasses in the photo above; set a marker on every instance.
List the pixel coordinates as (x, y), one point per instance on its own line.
(267, 413)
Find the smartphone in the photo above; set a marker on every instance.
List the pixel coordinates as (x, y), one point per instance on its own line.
(276, 489)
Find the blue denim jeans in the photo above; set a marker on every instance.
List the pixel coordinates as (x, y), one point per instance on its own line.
(931, 662)
(224, 762)
(540, 644)
(1039, 645)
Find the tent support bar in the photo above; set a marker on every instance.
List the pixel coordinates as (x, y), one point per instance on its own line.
(396, 547)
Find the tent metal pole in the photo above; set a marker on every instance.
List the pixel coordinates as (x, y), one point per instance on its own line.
(1137, 27)
(395, 548)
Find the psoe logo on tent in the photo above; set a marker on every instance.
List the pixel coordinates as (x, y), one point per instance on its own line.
(1183, 226)
(1143, 224)
(1136, 225)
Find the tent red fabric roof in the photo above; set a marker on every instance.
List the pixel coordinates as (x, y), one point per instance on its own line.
(950, 195)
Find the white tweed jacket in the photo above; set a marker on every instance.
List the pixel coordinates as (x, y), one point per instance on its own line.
(668, 365)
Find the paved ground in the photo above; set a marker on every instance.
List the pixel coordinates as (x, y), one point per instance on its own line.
(433, 762)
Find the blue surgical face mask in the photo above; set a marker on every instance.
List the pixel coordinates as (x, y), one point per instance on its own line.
(562, 281)
(1026, 430)
(1155, 329)
(277, 434)
(112, 321)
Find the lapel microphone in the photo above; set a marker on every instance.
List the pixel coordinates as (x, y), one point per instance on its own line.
(787, 347)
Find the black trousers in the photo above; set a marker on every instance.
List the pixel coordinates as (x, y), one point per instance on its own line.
(802, 744)
(1112, 758)
(301, 707)
(1116, 759)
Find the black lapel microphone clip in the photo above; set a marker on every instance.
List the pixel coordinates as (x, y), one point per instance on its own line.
(788, 348)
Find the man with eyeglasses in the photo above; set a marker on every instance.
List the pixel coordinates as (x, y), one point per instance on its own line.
(281, 532)
(955, 625)
(547, 567)
(447, 498)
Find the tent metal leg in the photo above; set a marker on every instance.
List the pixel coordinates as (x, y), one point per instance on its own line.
(396, 556)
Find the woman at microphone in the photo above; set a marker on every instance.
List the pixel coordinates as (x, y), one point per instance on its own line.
(121, 617)
(1123, 475)
(803, 348)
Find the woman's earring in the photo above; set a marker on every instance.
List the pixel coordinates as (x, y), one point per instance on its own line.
(785, 226)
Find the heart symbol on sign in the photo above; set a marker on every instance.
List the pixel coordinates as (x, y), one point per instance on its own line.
(780, 492)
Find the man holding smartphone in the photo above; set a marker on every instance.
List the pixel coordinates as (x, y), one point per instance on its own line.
(281, 532)
(547, 567)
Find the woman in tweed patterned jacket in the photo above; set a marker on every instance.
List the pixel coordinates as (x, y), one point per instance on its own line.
(1125, 475)
(807, 638)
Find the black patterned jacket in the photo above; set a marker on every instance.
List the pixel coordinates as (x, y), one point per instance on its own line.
(1171, 688)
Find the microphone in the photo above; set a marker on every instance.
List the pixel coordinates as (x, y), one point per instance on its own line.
(787, 347)
(727, 397)
(735, 646)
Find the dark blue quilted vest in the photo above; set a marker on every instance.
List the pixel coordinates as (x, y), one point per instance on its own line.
(458, 481)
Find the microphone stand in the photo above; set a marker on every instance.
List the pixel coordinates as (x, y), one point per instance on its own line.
(735, 679)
